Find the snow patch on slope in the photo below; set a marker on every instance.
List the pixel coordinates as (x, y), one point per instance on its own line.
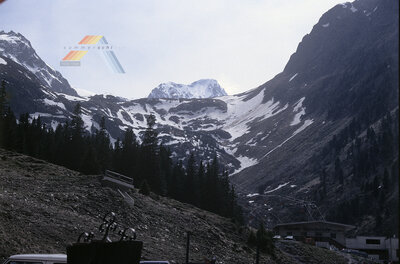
(240, 112)
(48, 92)
(37, 114)
(277, 188)
(52, 103)
(88, 122)
(2, 61)
(353, 9)
(245, 162)
(307, 123)
(294, 76)
(73, 98)
(84, 93)
(298, 106)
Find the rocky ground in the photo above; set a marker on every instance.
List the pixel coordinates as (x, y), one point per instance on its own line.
(44, 208)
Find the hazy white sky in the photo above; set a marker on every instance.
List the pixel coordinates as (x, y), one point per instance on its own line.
(240, 43)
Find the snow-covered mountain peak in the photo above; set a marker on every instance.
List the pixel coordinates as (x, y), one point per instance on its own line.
(204, 88)
(17, 48)
(14, 38)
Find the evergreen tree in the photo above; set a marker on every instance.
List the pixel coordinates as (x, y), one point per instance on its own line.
(144, 188)
(165, 168)
(75, 150)
(3, 98)
(3, 107)
(116, 158)
(129, 155)
(150, 135)
(150, 163)
(265, 240)
(209, 187)
(190, 182)
(90, 164)
(9, 128)
(224, 198)
(237, 212)
(176, 188)
(77, 124)
(103, 145)
(252, 239)
(202, 191)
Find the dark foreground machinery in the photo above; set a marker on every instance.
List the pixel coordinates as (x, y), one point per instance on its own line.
(88, 250)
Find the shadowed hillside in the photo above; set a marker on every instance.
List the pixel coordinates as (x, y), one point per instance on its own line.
(45, 207)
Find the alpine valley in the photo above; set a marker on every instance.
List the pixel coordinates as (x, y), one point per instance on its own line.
(319, 140)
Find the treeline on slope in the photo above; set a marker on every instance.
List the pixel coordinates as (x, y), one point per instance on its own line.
(263, 240)
(203, 184)
(361, 164)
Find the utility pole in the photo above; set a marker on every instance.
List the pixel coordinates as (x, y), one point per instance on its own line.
(187, 247)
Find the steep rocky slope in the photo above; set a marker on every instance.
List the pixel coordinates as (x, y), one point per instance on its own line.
(346, 69)
(45, 207)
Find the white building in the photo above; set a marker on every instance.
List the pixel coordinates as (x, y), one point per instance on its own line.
(376, 247)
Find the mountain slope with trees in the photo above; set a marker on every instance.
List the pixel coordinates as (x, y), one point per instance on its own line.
(205, 185)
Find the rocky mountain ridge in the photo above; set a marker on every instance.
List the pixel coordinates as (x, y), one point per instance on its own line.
(19, 49)
(205, 88)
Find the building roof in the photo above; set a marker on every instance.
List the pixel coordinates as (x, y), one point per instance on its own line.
(346, 227)
(53, 257)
